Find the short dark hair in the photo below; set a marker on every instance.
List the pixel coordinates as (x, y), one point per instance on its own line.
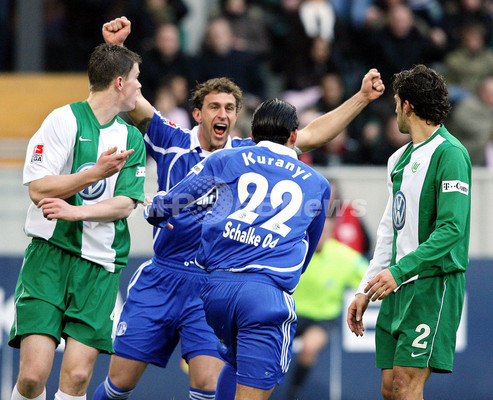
(274, 120)
(107, 62)
(219, 85)
(425, 90)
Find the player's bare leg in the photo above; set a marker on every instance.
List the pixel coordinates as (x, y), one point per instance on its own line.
(204, 372)
(387, 378)
(36, 359)
(77, 367)
(250, 393)
(125, 373)
(409, 382)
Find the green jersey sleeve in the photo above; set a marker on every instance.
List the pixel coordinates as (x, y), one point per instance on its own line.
(130, 181)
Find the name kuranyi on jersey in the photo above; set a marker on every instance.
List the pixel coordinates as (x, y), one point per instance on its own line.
(248, 159)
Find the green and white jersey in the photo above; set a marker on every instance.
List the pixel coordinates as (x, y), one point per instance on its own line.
(425, 227)
(70, 140)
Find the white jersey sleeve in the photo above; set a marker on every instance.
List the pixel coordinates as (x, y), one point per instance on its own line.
(51, 148)
(385, 234)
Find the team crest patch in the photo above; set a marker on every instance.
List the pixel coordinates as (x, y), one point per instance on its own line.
(37, 156)
(399, 210)
(94, 191)
(455, 186)
(121, 329)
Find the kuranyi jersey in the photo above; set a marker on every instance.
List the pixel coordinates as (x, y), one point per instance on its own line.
(176, 151)
(71, 140)
(331, 270)
(268, 215)
(425, 227)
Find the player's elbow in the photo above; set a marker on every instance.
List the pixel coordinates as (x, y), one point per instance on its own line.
(128, 205)
(35, 195)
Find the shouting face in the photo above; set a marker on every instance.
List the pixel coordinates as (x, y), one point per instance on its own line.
(216, 119)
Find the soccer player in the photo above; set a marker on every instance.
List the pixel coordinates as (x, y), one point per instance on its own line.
(422, 245)
(257, 239)
(85, 168)
(163, 303)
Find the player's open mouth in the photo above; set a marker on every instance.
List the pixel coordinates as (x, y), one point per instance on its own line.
(219, 129)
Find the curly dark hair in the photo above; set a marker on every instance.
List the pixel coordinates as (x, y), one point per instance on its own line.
(219, 85)
(426, 91)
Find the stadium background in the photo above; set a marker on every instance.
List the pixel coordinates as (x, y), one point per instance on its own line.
(346, 368)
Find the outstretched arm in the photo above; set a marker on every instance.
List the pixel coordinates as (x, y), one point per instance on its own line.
(326, 127)
(116, 32)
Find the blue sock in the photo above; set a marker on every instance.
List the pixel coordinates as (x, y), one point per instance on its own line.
(108, 391)
(226, 384)
(197, 394)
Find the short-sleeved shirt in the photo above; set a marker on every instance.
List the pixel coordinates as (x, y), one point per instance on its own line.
(71, 140)
(268, 213)
(176, 151)
(333, 269)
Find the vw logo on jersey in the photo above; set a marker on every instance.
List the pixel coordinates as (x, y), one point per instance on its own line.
(399, 210)
(94, 191)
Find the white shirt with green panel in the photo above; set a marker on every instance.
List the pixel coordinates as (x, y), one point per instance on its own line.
(70, 140)
(425, 227)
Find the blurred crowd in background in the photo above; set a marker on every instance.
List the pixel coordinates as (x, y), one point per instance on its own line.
(312, 53)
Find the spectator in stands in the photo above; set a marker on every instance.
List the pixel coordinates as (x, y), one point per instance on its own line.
(163, 59)
(307, 71)
(248, 26)
(472, 121)
(352, 12)
(179, 86)
(334, 267)
(378, 145)
(332, 94)
(167, 104)
(459, 13)
(341, 150)
(399, 44)
(289, 39)
(83, 25)
(318, 18)
(147, 16)
(466, 66)
(219, 58)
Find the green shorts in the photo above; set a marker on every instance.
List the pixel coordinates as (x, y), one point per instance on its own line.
(61, 294)
(417, 325)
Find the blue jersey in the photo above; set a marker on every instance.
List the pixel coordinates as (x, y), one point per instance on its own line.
(176, 151)
(268, 215)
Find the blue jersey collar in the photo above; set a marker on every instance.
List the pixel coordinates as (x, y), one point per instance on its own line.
(278, 148)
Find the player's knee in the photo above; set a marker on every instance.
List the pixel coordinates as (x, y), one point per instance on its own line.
(206, 380)
(386, 389)
(206, 384)
(386, 393)
(309, 353)
(78, 377)
(30, 383)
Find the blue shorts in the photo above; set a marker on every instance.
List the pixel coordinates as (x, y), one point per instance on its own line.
(163, 306)
(256, 321)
